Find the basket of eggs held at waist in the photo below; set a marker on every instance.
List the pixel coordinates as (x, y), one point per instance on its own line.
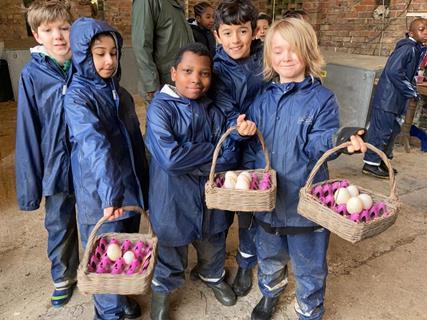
(351, 212)
(241, 190)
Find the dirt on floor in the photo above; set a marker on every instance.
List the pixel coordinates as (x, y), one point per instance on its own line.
(379, 278)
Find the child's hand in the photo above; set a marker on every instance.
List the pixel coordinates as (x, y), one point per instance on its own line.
(245, 127)
(357, 143)
(113, 213)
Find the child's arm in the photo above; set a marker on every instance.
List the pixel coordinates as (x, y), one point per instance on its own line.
(396, 71)
(97, 152)
(321, 134)
(172, 156)
(29, 159)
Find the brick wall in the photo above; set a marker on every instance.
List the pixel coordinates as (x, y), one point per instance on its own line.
(342, 25)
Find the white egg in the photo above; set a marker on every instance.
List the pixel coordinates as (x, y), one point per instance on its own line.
(354, 205)
(366, 200)
(242, 183)
(230, 175)
(245, 177)
(128, 256)
(114, 252)
(229, 183)
(341, 196)
(352, 189)
(246, 174)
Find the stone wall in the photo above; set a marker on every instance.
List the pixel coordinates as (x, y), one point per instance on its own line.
(342, 25)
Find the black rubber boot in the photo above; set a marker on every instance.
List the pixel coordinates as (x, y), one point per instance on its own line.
(159, 306)
(223, 292)
(384, 167)
(264, 309)
(242, 282)
(132, 310)
(376, 171)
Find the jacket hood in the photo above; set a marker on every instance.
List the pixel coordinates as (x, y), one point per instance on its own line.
(307, 83)
(405, 42)
(168, 93)
(83, 31)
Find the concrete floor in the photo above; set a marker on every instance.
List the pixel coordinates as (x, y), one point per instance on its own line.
(379, 278)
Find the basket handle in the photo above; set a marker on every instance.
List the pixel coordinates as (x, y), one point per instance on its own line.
(92, 236)
(381, 154)
(218, 148)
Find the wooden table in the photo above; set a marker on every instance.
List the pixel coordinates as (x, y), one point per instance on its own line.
(409, 117)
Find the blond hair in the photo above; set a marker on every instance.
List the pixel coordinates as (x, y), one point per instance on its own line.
(47, 11)
(302, 39)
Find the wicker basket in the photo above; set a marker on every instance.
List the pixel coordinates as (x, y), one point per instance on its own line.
(241, 200)
(311, 208)
(123, 284)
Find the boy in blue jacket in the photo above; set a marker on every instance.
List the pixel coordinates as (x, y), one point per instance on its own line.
(108, 155)
(42, 148)
(299, 120)
(238, 72)
(183, 128)
(395, 87)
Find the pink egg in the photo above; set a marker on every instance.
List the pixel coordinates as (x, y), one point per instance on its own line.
(341, 209)
(344, 183)
(326, 189)
(355, 217)
(364, 216)
(317, 191)
(329, 200)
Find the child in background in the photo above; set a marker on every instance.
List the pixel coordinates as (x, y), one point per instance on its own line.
(395, 87)
(299, 120)
(183, 129)
(43, 159)
(238, 72)
(202, 26)
(298, 14)
(262, 24)
(108, 156)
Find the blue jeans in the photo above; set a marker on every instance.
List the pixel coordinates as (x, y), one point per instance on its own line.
(62, 241)
(383, 130)
(246, 252)
(169, 273)
(307, 253)
(110, 306)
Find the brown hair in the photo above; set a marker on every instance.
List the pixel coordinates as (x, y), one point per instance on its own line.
(302, 38)
(46, 11)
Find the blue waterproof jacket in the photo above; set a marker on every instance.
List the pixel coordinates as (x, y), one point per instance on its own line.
(298, 122)
(397, 84)
(241, 80)
(181, 137)
(108, 155)
(42, 150)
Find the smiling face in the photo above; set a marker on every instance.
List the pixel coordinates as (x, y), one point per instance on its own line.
(55, 37)
(192, 76)
(104, 54)
(236, 39)
(285, 60)
(206, 19)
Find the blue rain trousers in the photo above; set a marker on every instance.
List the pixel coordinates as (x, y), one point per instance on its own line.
(169, 272)
(307, 254)
(62, 241)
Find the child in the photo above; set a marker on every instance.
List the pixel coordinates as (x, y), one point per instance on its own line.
(203, 24)
(238, 72)
(108, 154)
(299, 14)
(43, 160)
(395, 87)
(299, 120)
(183, 129)
(262, 24)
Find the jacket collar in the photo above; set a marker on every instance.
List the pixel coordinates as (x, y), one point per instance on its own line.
(169, 93)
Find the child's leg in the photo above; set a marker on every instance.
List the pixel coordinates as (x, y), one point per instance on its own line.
(110, 306)
(308, 257)
(397, 126)
(211, 258)
(63, 244)
(169, 272)
(246, 254)
(381, 131)
(272, 253)
(210, 267)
